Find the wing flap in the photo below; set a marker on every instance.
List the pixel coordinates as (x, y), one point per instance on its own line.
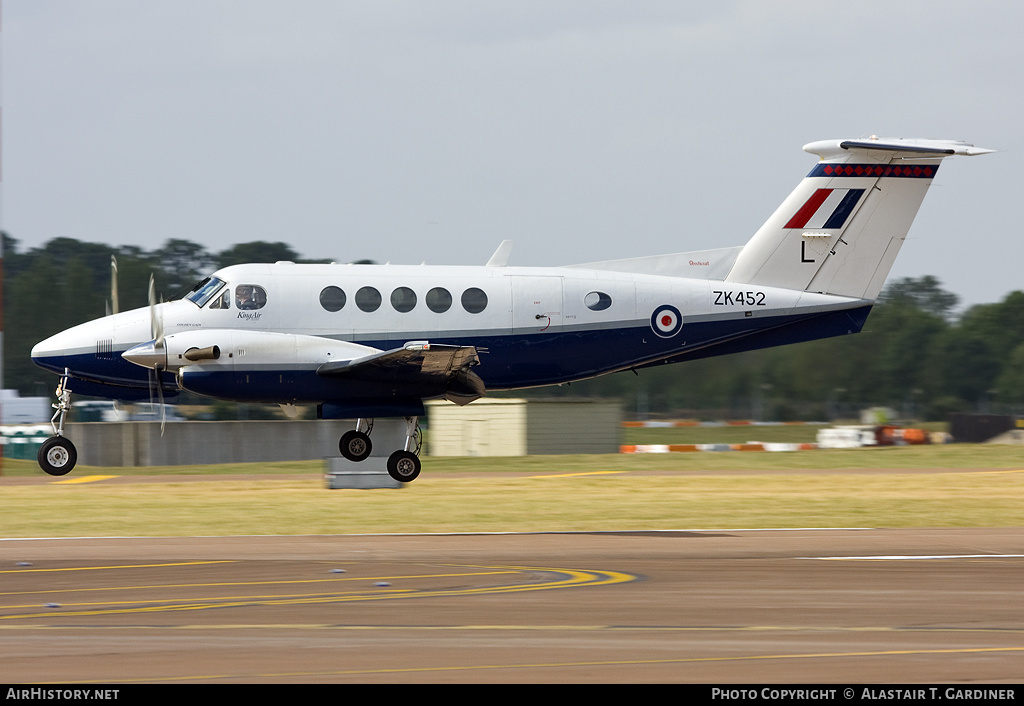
(435, 369)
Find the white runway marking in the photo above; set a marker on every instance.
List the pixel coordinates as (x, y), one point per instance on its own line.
(912, 557)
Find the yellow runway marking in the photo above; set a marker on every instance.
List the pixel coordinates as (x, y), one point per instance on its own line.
(562, 665)
(525, 628)
(331, 579)
(570, 578)
(123, 566)
(83, 479)
(584, 473)
(150, 601)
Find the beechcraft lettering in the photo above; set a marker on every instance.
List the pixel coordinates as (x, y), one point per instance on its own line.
(369, 341)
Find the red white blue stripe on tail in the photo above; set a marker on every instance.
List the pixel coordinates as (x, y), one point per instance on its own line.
(826, 208)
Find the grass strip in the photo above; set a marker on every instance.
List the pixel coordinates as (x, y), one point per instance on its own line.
(558, 495)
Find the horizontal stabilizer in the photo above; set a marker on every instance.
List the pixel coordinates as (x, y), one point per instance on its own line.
(901, 147)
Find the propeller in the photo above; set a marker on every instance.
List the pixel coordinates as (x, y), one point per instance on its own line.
(114, 303)
(156, 324)
(156, 329)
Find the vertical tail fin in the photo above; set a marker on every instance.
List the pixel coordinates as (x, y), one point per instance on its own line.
(842, 227)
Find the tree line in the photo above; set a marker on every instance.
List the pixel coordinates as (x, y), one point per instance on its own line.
(917, 353)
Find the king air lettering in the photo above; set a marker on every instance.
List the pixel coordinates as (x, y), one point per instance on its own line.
(250, 315)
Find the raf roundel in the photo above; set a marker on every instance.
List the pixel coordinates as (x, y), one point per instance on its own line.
(666, 321)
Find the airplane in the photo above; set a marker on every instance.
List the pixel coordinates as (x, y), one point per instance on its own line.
(368, 341)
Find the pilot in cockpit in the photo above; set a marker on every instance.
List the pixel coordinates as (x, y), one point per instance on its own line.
(243, 297)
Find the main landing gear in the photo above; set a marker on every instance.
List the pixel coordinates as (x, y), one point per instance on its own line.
(403, 465)
(355, 445)
(57, 456)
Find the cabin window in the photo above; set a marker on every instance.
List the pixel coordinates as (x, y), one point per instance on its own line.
(403, 299)
(439, 300)
(332, 298)
(250, 296)
(368, 299)
(474, 300)
(597, 301)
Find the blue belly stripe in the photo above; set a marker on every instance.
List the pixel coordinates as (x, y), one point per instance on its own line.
(507, 361)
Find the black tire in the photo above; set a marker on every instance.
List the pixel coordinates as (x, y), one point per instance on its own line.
(403, 466)
(57, 456)
(355, 445)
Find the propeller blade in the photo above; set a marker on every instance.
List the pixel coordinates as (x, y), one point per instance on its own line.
(115, 304)
(163, 410)
(155, 322)
(156, 325)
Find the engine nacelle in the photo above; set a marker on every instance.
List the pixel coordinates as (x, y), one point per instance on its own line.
(232, 349)
(257, 366)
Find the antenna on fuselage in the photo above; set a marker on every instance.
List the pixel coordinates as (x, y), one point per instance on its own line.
(500, 256)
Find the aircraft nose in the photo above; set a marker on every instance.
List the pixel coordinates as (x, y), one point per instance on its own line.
(74, 347)
(50, 353)
(47, 349)
(147, 355)
(90, 350)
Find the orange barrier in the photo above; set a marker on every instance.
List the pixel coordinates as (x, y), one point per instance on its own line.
(683, 447)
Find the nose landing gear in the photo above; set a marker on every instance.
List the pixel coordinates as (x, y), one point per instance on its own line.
(57, 456)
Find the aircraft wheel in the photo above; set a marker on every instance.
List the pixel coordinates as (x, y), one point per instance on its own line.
(403, 466)
(355, 445)
(57, 456)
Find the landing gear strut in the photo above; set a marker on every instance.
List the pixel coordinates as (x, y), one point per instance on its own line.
(404, 465)
(57, 456)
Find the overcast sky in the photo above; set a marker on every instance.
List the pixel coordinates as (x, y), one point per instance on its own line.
(410, 131)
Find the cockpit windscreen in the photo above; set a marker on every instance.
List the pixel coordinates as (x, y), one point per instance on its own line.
(204, 291)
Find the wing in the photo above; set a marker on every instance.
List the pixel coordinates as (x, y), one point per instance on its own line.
(419, 364)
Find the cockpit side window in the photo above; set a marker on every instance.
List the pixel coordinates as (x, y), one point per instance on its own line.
(223, 301)
(250, 296)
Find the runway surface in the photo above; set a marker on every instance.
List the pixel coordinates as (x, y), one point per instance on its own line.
(827, 606)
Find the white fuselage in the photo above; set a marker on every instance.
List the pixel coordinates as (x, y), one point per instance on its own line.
(533, 326)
